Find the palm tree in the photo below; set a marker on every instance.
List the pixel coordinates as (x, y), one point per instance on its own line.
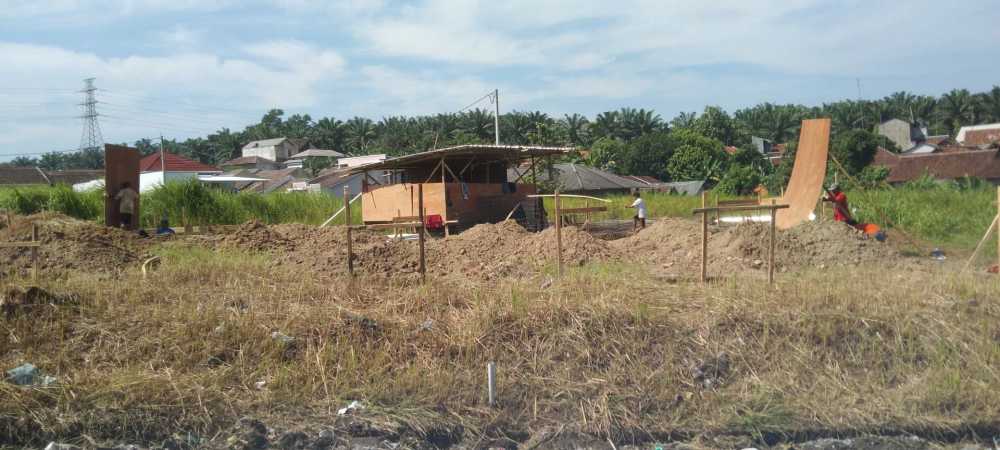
(644, 122)
(956, 108)
(329, 133)
(479, 123)
(684, 120)
(576, 128)
(515, 127)
(900, 105)
(845, 115)
(360, 132)
(991, 104)
(607, 124)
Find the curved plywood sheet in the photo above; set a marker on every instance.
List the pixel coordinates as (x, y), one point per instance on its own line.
(806, 184)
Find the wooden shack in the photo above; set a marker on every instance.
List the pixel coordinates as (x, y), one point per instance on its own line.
(465, 185)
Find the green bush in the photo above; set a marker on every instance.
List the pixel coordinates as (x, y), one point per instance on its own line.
(739, 180)
(81, 205)
(25, 200)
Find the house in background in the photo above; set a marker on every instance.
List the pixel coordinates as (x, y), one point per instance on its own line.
(904, 134)
(277, 149)
(26, 176)
(22, 176)
(249, 162)
(298, 160)
(979, 135)
(948, 164)
(152, 172)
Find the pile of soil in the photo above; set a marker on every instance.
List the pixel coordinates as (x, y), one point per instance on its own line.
(676, 244)
(323, 250)
(256, 236)
(69, 243)
(578, 247)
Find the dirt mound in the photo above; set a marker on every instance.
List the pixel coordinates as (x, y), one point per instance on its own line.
(69, 243)
(256, 236)
(578, 247)
(822, 243)
(323, 250)
(486, 250)
(676, 244)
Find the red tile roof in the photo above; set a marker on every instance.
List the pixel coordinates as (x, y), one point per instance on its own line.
(982, 137)
(175, 163)
(952, 164)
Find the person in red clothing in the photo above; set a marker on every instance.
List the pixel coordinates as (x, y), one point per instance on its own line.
(841, 212)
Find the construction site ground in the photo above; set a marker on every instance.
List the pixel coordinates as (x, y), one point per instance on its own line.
(262, 325)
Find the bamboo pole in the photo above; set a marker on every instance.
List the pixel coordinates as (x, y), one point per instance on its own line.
(558, 234)
(982, 241)
(34, 253)
(420, 233)
(347, 227)
(770, 248)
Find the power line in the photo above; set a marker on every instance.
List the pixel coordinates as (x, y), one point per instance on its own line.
(488, 95)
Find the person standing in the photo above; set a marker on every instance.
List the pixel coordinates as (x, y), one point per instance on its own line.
(639, 219)
(126, 197)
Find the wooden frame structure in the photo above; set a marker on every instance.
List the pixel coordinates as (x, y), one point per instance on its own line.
(465, 185)
(34, 244)
(706, 211)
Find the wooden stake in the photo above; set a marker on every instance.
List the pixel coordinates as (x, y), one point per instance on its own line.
(558, 233)
(704, 239)
(998, 234)
(347, 226)
(704, 247)
(420, 233)
(770, 248)
(34, 253)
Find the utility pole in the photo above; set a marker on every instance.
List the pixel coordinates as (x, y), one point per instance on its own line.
(163, 164)
(91, 137)
(496, 116)
(861, 105)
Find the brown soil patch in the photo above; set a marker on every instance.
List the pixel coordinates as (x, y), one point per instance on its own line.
(676, 244)
(69, 243)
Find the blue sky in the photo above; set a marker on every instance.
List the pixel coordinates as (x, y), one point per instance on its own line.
(185, 68)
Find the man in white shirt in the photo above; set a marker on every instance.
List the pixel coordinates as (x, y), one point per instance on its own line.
(639, 220)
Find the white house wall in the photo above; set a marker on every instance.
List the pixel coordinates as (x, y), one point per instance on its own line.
(150, 180)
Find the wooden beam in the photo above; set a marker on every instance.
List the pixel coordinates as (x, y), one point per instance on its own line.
(770, 247)
(591, 209)
(704, 240)
(431, 177)
(568, 195)
(420, 233)
(558, 233)
(347, 226)
(22, 244)
(738, 208)
(467, 165)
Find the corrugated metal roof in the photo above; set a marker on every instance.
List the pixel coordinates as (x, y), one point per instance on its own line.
(576, 177)
(264, 143)
(685, 187)
(317, 152)
(510, 153)
(175, 163)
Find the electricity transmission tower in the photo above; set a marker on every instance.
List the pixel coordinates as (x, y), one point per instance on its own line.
(91, 138)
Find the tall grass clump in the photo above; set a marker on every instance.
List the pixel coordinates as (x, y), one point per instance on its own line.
(953, 215)
(196, 203)
(81, 205)
(25, 200)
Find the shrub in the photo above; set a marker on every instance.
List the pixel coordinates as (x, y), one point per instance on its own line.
(86, 206)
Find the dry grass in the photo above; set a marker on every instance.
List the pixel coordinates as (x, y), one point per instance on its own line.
(609, 350)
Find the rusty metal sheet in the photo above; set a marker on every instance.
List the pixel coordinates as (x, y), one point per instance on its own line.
(121, 164)
(806, 184)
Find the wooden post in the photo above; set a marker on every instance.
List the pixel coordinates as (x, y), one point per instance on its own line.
(347, 226)
(34, 253)
(704, 247)
(420, 232)
(770, 248)
(718, 217)
(444, 193)
(558, 233)
(998, 234)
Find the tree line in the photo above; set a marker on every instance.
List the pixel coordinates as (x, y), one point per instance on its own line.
(628, 140)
